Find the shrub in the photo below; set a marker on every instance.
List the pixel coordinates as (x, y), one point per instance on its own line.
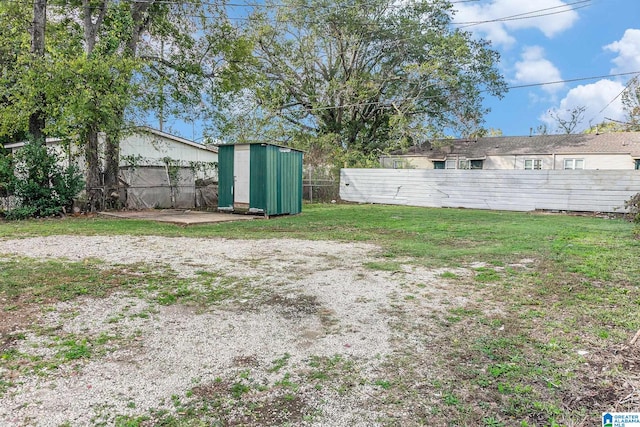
(6, 175)
(633, 208)
(41, 184)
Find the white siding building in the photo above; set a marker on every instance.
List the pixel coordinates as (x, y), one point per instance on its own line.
(157, 169)
(610, 151)
(144, 146)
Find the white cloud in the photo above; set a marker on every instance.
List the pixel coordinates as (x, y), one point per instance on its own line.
(628, 50)
(535, 68)
(549, 16)
(600, 101)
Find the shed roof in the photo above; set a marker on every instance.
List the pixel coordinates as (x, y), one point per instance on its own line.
(606, 143)
(259, 143)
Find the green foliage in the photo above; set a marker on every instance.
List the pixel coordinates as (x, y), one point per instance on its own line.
(41, 184)
(103, 70)
(7, 180)
(606, 127)
(173, 170)
(361, 78)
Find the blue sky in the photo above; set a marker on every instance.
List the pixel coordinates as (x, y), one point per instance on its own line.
(546, 41)
(567, 40)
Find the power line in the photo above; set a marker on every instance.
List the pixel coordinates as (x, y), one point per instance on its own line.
(629, 83)
(573, 80)
(245, 4)
(362, 104)
(530, 14)
(525, 15)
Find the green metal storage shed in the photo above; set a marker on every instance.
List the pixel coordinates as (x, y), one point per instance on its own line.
(260, 178)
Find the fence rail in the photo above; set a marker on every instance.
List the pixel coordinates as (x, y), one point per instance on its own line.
(570, 190)
(321, 190)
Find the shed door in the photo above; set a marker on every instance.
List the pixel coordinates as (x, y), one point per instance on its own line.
(241, 174)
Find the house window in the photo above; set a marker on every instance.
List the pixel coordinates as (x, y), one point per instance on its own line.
(475, 164)
(638, 164)
(398, 164)
(574, 163)
(438, 164)
(532, 164)
(470, 164)
(450, 164)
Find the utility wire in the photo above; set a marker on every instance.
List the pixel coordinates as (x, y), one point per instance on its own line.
(360, 104)
(573, 80)
(531, 14)
(245, 4)
(629, 83)
(525, 15)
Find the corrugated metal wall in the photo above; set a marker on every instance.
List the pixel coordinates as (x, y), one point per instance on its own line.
(261, 178)
(290, 173)
(276, 179)
(516, 190)
(225, 176)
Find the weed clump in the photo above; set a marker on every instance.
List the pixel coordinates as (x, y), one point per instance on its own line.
(633, 212)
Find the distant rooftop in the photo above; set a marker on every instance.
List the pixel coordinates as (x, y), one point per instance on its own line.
(606, 143)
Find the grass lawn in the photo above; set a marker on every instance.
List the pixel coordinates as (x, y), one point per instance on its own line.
(553, 351)
(428, 236)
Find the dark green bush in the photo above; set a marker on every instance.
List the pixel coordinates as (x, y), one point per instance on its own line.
(6, 175)
(42, 185)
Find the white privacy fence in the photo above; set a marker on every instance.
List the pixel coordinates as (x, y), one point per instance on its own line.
(515, 190)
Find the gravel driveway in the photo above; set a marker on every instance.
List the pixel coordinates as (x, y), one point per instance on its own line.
(305, 343)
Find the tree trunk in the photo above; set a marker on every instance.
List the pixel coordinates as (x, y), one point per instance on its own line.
(98, 191)
(94, 183)
(37, 117)
(111, 166)
(112, 142)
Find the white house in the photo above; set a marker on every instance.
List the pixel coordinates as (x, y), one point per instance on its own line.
(145, 146)
(157, 169)
(150, 147)
(609, 151)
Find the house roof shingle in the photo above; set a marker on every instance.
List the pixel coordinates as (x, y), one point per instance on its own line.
(608, 143)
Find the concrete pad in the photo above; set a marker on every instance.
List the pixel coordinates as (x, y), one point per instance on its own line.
(179, 216)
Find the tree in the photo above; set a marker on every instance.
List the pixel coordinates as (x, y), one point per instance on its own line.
(20, 71)
(542, 129)
(144, 75)
(483, 133)
(631, 104)
(104, 66)
(6, 174)
(568, 120)
(37, 117)
(607, 126)
(352, 78)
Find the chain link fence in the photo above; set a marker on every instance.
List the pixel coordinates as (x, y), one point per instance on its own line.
(320, 190)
